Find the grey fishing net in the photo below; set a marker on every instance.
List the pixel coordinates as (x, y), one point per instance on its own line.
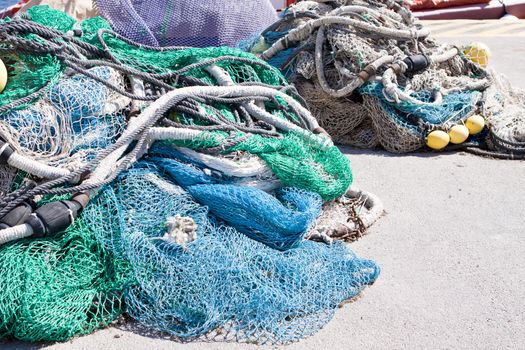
(357, 60)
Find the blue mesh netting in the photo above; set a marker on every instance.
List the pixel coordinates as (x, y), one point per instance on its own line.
(222, 284)
(188, 23)
(279, 222)
(455, 106)
(70, 121)
(261, 216)
(81, 95)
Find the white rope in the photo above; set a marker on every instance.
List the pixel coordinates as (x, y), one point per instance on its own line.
(172, 133)
(224, 79)
(303, 31)
(261, 114)
(253, 167)
(445, 56)
(14, 233)
(33, 167)
(354, 84)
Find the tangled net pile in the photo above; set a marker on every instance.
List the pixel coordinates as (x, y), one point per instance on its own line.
(372, 75)
(177, 185)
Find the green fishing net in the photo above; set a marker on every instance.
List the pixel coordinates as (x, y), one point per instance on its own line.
(295, 160)
(58, 288)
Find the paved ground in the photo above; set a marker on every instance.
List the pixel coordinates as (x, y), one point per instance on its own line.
(451, 248)
(481, 29)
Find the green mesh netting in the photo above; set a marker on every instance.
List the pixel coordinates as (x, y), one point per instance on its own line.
(299, 163)
(295, 160)
(55, 289)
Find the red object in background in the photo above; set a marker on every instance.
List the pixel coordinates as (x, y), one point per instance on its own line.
(438, 4)
(12, 10)
(515, 8)
(493, 10)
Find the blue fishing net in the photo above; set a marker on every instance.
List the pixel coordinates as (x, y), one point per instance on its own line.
(280, 226)
(186, 22)
(222, 284)
(279, 222)
(72, 122)
(454, 107)
(71, 95)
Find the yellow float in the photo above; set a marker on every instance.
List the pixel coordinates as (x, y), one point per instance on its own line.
(458, 134)
(438, 139)
(3, 76)
(478, 53)
(475, 124)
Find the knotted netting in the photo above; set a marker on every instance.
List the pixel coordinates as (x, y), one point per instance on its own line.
(188, 23)
(53, 289)
(222, 284)
(372, 75)
(206, 237)
(83, 102)
(279, 221)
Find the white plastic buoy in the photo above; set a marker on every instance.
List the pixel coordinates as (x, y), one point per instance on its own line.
(3, 76)
(438, 139)
(458, 134)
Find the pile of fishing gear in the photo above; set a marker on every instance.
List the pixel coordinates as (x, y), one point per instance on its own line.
(372, 75)
(187, 187)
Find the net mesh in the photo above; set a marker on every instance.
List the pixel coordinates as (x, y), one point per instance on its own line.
(205, 238)
(222, 285)
(70, 124)
(188, 23)
(357, 56)
(402, 127)
(55, 289)
(505, 108)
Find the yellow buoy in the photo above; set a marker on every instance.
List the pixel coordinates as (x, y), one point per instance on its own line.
(458, 134)
(475, 124)
(438, 139)
(3, 76)
(478, 53)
